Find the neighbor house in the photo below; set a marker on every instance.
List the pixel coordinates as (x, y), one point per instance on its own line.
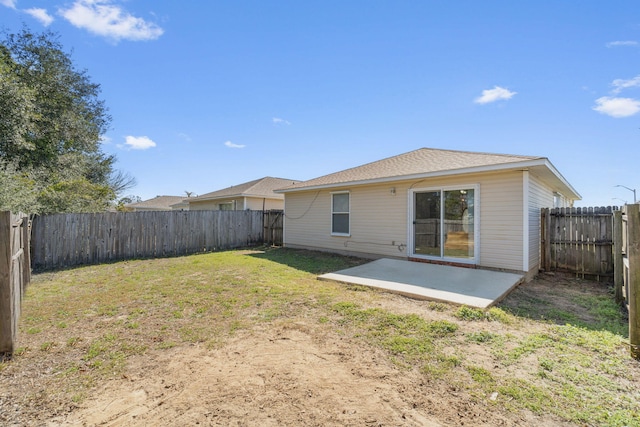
(253, 195)
(431, 205)
(158, 203)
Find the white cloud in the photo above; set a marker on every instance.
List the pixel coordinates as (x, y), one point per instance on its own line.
(279, 121)
(232, 145)
(183, 136)
(139, 142)
(8, 3)
(104, 139)
(617, 107)
(41, 15)
(492, 95)
(620, 84)
(104, 19)
(622, 43)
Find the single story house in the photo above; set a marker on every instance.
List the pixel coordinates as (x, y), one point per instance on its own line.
(253, 195)
(431, 205)
(158, 203)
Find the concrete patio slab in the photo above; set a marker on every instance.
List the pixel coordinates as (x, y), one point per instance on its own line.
(458, 285)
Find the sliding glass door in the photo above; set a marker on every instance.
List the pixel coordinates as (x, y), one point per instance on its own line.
(427, 227)
(443, 223)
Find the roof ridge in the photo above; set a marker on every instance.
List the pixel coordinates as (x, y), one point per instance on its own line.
(486, 153)
(249, 188)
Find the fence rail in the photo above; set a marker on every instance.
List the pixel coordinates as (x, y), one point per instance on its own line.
(15, 274)
(578, 240)
(64, 240)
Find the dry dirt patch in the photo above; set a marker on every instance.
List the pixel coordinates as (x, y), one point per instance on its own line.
(288, 375)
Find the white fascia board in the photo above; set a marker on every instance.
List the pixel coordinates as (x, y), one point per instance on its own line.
(558, 175)
(207, 199)
(262, 196)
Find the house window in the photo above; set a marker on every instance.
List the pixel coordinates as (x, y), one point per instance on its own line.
(226, 206)
(340, 214)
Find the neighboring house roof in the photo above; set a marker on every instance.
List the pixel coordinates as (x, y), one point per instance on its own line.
(157, 203)
(261, 188)
(183, 204)
(431, 162)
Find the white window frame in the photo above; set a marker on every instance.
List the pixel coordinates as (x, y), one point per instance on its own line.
(348, 213)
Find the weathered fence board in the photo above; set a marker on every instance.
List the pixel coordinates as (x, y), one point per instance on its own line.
(63, 240)
(578, 240)
(273, 227)
(15, 274)
(630, 292)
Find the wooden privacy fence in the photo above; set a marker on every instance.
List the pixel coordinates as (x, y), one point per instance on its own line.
(628, 275)
(602, 243)
(578, 240)
(63, 240)
(15, 274)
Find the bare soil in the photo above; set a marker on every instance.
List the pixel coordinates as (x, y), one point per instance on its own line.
(293, 372)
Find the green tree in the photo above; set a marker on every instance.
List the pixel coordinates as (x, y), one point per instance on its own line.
(18, 189)
(51, 122)
(17, 106)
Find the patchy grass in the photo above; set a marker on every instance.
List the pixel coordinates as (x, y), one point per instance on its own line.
(558, 349)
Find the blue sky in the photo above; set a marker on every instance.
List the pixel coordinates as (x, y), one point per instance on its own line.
(205, 95)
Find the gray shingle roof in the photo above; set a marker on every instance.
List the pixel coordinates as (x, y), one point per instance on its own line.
(262, 187)
(158, 203)
(421, 162)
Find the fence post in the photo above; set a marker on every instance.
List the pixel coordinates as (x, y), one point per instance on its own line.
(545, 246)
(633, 255)
(618, 268)
(7, 325)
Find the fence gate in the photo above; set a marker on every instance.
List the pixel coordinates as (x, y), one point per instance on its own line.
(15, 274)
(273, 227)
(578, 240)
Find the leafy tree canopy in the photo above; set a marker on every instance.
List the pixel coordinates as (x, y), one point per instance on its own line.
(51, 122)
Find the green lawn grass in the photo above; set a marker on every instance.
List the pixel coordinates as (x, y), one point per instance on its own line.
(85, 323)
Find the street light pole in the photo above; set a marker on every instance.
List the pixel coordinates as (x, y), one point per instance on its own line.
(630, 189)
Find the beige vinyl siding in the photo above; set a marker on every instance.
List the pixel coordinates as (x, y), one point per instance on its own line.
(215, 204)
(307, 221)
(260, 203)
(274, 204)
(379, 220)
(202, 206)
(501, 221)
(252, 203)
(379, 223)
(540, 196)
